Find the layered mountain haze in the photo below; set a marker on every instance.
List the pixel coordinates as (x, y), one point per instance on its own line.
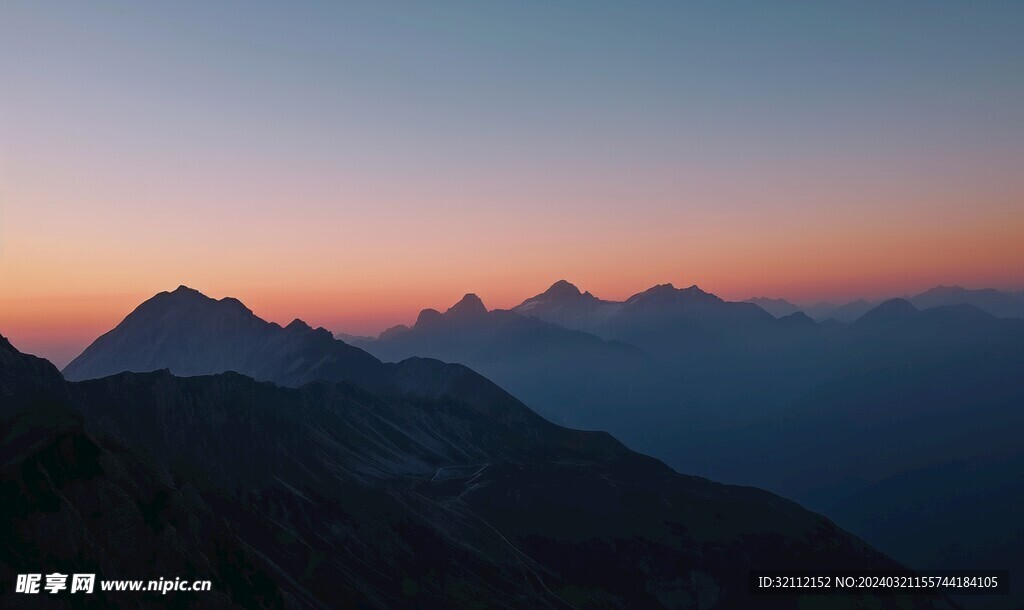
(845, 313)
(360, 492)
(641, 318)
(776, 307)
(828, 414)
(821, 412)
(696, 343)
(999, 304)
(554, 369)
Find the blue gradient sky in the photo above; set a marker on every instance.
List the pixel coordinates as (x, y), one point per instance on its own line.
(350, 163)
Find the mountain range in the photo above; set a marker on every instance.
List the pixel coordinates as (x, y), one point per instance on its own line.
(830, 414)
(1001, 304)
(827, 413)
(417, 484)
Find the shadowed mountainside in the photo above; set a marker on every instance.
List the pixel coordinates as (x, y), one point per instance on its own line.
(328, 495)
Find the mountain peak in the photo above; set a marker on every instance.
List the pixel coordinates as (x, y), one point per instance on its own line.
(899, 306)
(561, 294)
(394, 331)
(298, 324)
(190, 333)
(184, 292)
(893, 310)
(561, 289)
(189, 298)
(669, 291)
(797, 319)
(428, 317)
(779, 308)
(469, 306)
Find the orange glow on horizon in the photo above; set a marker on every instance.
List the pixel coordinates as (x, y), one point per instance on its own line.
(59, 316)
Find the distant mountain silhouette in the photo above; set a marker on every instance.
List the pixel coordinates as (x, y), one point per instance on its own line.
(845, 313)
(887, 315)
(901, 394)
(564, 304)
(555, 369)
(188, 333)
(352, 339)
(664, 319)
(191, 334)
(470, 308)
(776, 307)
(733, 394)
(999, 304)
(673, 325)
(331, 496)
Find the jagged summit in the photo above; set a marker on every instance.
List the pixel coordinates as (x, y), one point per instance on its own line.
(563, 303)
(660, 289)
(429, 317)
(394, 331)
(298, 324)
(469, 306)
(180, 294)
(186, 295)
(561, 289)
(562, 294)
(192, 334)
(669, 294)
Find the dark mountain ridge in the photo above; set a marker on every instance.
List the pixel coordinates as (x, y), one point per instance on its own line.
(331, 496)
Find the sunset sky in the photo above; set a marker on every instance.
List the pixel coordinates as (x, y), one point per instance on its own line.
(353, 163)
